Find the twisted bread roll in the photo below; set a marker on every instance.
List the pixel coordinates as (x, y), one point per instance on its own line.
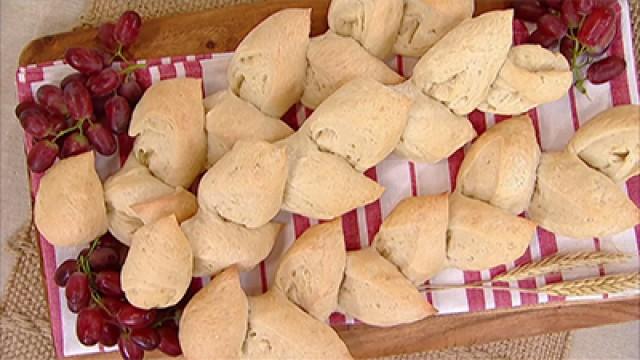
(500, 167)
(169, 125)
(71, 193)
(610, 143)
(158, 268)
(311, 270)
(334, 60)
(269, 65)
(459, 69)
(574, 200)
(532, 75)
(426, 21)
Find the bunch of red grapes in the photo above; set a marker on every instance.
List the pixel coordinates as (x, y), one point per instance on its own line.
(584, 30)
(93, 291)
(89, 106)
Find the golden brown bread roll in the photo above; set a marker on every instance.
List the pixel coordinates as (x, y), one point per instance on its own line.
(414, 236)
(500, 167)
(214, 322)
(610, 142)
(69, 207)
(574, 200)
(311, 270)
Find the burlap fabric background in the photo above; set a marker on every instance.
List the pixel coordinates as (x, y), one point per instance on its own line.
(24, 324)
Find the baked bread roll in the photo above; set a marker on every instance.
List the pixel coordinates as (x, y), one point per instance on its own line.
(481, 236)
(532, 75)
(610, 143)
(426, 21)
(246, 186)
(414, 236)
(230, 119)
(334, 60)
(269, 65)
(375, 292)
(218, 244)
(459, 69)
(279, 330)
(433, 132)
(69, 207)
(180, 203)
(158, 268)
(361, 122)
(574, 200)
(311, 270)
(373, 23)
(169, 125)
(214, 322)
(500, 167)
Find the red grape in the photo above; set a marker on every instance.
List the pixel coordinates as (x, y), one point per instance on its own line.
(131, 91)
(87, 61)
(596, 26)
(74, 144)
(606, 69)
(123, 252)
(101, 138)
(109, 334)
(528, 11)
(554, 4)
(78, 100)
(73, 77)
(552, 25)
(29, 104)
(77, 292)
(105, 36)
(34, 121)
(58, 123)
(108, 283)
(118, 114)
(109, 241)
(104, 82)
(104, 258)
(135, 318)
(169, 343)
(542, 39)
(569, 14)
(129, 350)
(42, 155)
(52, 98)
(89, 325)
(83, 253)
(112, 305)
(567, 45)
(64, 271)
(520, 32)
(583, 7)
(147, 338)
(127, 28)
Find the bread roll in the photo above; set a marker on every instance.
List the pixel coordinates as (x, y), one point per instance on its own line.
(269, 65)
(375, 292)
(158, 268)
(532, 75)
(361, 122)
(426, 21)
(459, 69)
(230, 119)
(414, 236)
(373, 23)
(279, 330)
(334, 60)
(180, 203)
(610, 142)
(433, 132)
(169, 125)
(218, 244)
(311, 270)
(247, 185)
(481, 236)
(574, 200)
(69, 207)
(500, 167)
(215, 321)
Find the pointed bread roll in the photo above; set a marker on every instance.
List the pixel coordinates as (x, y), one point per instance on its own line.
(376, 293)
(69, 208)
(218, 244)
(414, 236)
(269, 65)
(426, 21)
(433, 132)
(459, 69)
(334, 60)
(280, 330)
(230, 119)
(311, 270)
(610, 142)
(500, 167)
(532, 75)
(158, 268)
(373, 23)
(169, 125)
(481, 236)
(246, 185)
(215, 320)
(571, 199)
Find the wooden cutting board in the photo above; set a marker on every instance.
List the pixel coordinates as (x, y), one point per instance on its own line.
(220, 30)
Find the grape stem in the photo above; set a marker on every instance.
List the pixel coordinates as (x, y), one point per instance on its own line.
(77, 126)
(131, 68)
